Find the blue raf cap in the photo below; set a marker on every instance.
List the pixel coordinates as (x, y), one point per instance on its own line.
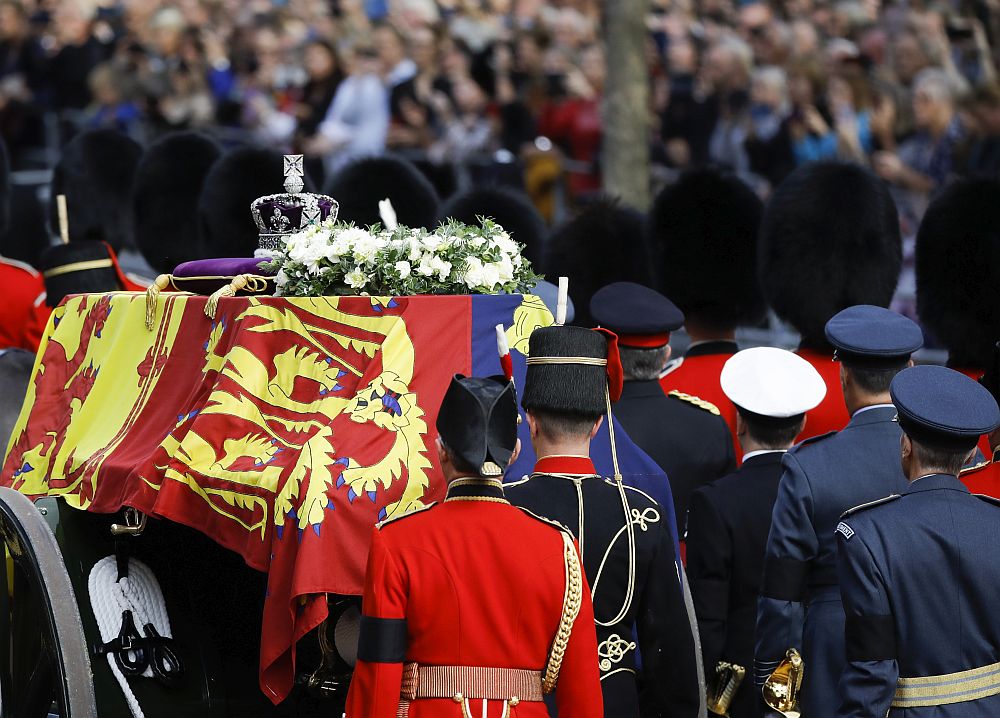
(873, 336)
(943, 409)
(640, 316)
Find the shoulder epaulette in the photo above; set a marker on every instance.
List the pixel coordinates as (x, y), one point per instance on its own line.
(408, 514)
(551, 522)
(20, 265)
(876, 502)
(989, 499)
(672, 365)
(814, 439)
(695, 401)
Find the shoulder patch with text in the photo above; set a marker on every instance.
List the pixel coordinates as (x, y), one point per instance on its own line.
(844, 529)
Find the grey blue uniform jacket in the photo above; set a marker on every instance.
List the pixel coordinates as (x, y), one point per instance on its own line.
(920, 579)
(643, 601)
(800, 601)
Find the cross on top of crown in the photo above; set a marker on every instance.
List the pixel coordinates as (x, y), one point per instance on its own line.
(294, 174)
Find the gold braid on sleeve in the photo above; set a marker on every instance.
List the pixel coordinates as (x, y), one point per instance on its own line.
(570, 609)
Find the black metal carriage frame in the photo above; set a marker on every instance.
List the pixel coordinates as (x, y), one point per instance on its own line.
(48, 631)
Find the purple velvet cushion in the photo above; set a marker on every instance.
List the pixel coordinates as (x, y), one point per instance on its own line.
(223, 267)
(205, 276)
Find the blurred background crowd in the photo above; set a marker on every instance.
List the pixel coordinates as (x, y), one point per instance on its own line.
(480, 93)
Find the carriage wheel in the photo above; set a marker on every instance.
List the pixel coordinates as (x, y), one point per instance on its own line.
(44, 661)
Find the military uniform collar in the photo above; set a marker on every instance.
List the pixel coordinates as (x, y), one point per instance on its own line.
(633, 388)
(476, 488)
(712, 346)
(565, 465)
(764, 456)
(873, 414)
(934, 482)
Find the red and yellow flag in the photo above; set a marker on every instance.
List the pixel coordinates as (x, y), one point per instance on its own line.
(283, 429)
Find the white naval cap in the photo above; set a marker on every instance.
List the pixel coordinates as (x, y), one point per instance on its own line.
(772, 382)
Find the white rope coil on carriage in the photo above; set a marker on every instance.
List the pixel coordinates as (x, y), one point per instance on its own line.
(140, 593)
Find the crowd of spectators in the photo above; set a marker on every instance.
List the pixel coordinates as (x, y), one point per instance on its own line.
(908, 88)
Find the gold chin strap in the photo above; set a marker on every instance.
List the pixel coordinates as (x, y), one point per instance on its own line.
(77, 267)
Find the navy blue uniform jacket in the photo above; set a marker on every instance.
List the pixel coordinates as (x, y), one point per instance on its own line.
(823, 477)
(727, 530)
(920, 576)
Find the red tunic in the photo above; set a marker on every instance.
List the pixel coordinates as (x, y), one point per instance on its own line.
(831, 414)
(479, 583)
(983, 479)
(697, 373)
(23, 312)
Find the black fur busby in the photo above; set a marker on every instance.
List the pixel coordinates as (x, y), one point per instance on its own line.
(96, 171)
(168, 183)
(226, 226)
(958, 271)
(362, 184)
(5, 188)
(478, 422)
(605, 243)
(575, 389)
(703, 233)
(991, 378)
(829, 239)
(77, 268)
(509, 208)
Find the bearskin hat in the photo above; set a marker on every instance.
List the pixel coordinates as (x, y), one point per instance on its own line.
(362, 184)
(63, 276)
(226, 226)
(96, 171)
(28, 234)
(168, 183)
(478, 421)
(958, 271)
(5, 188)
(703, 232)
(509, 208)
(574, 389)
(829, 239)
(605, 243)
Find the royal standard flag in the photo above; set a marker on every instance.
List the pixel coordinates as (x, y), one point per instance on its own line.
(283, 429)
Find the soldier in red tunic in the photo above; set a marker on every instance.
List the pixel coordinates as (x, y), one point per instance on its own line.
(475, 607)
(704, 233)
(23, 311)
(829, 240)
(984, 478)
